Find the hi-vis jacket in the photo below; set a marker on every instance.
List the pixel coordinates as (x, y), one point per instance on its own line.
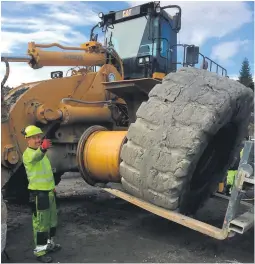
(38, 169)
(232, 173)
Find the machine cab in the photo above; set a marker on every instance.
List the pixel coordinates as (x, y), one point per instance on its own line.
(143, 37)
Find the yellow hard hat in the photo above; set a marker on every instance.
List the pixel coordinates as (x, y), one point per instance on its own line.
(32, 131)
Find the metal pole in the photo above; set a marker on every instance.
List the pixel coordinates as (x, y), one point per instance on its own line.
(15, 58)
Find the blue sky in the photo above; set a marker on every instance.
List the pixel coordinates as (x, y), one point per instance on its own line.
(224, 31)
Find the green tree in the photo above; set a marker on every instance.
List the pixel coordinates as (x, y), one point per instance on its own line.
(245, 76)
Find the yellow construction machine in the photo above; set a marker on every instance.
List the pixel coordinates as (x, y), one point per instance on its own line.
(127, 115)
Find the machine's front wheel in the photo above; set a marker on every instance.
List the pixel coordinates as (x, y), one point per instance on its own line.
(184, 139)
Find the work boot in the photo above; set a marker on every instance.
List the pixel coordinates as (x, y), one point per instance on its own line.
(53, 247)
(44, 259)
(228, 190)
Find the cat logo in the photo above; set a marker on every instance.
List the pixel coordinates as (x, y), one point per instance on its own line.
(127, 13)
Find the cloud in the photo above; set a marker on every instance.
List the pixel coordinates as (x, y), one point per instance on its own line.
(224, 51)
(42, 22)
(11, 39)
(233, 77)
(205, 20)
(65, 23)
(47, 23)
(22, 73)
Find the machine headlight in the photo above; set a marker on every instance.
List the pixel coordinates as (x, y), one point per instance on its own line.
(147, 59)
(100, 15)
(140, 61)
(143, 60)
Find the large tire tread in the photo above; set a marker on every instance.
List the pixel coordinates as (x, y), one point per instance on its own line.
(172, 130)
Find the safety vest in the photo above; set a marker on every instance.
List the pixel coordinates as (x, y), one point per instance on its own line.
(38, 169)
(232, 173)
(241, 153)
(231, 177)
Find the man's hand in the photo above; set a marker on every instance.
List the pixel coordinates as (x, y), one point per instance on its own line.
(46, 144)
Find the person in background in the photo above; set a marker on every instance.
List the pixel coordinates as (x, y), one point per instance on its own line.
(231, 174)
(41, 185)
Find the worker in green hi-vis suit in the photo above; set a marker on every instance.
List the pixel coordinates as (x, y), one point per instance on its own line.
(231, 177)
(41, 185)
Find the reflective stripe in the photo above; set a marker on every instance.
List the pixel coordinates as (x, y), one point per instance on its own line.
(41, 180)
(36, 173)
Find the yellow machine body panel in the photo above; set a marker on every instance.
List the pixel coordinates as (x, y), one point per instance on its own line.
(48, 95)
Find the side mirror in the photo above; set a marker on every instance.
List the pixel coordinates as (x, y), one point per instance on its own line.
(177, 22)
(192, 55)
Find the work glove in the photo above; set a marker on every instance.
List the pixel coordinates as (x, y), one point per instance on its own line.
(46, 144)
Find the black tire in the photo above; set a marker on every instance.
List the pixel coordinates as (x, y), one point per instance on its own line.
(192, 115)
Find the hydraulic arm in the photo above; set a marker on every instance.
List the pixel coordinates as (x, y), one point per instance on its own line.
(91, 53)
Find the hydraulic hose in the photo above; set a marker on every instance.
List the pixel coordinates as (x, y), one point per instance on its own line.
(64, 100)
(7, 72)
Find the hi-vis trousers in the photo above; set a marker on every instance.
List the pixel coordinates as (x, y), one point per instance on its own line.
(44, 219)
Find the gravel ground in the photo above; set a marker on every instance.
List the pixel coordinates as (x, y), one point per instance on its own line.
(97, 227)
